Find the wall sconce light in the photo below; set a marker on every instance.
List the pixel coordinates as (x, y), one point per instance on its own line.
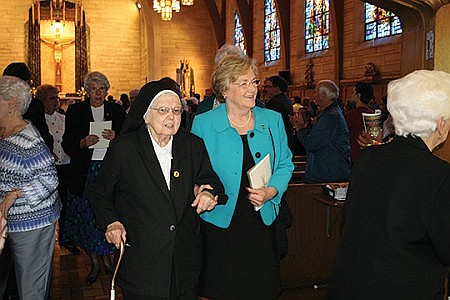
(138, 5)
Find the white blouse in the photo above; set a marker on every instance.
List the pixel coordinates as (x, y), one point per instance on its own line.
(56, 126)
(164, 155)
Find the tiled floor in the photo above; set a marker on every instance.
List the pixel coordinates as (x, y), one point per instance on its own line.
(70, 270)
(69, 273)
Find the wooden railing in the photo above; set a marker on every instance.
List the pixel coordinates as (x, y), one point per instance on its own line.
(298, 175)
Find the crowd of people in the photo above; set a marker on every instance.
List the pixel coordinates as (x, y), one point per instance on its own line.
(167, 177)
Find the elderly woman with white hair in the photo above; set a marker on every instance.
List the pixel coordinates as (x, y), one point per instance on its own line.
(396, 237)
(28, 193)
(145, 196)
(85, 161)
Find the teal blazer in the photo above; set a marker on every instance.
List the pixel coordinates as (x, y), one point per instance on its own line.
(226, 153)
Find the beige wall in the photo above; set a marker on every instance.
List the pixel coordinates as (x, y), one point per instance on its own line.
(115, 42)
(13, 14)
(188, 36)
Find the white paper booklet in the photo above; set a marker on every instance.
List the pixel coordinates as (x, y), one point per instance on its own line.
(259, 175)
(97, 129)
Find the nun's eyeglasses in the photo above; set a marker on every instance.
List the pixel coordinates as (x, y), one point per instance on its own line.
(165, 110)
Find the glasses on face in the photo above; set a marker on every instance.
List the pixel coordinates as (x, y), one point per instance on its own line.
(165, 110)
(245, 85)
(100, 89)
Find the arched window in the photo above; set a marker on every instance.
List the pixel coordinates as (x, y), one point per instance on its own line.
(271, 32)
(317, 25)
(380, 22)
(238, 34)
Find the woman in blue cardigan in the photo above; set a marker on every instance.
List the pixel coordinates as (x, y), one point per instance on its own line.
(240, 254)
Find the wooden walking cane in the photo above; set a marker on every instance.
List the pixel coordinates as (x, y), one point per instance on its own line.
(122, 250)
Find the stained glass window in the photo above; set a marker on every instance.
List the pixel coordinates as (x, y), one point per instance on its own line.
(271, 32)
(380, 22)
(238, 34)
(317, 25)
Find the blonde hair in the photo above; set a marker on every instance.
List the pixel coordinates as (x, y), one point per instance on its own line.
(228, 70)
(416, 101)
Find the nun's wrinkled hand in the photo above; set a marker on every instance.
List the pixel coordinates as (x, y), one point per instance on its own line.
(198, 189)
(115, 232)
(205, 201)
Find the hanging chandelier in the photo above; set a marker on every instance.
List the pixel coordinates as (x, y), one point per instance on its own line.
(166, 7)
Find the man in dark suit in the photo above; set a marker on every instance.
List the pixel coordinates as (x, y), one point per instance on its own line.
(145, 196)
(327, 142)
(274, 93)
(396, 237)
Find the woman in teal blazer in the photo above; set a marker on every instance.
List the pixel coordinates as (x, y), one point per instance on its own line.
(225, 149)
(240, 254)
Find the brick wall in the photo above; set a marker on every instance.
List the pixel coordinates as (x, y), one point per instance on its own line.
(13, 14)
(188, 36)
(115, 43)
(114, 40)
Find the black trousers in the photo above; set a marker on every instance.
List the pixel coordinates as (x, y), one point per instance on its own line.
(63, 177)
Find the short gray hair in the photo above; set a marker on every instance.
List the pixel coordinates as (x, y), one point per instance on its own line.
(11, 88)
(97, 77)
(329, 88)
(416, 101)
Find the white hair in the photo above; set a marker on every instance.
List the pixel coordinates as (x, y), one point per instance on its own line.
(11, 88)
(416, 101)
(329, 88)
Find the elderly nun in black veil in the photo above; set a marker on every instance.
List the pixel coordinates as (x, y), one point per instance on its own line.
(155, 181)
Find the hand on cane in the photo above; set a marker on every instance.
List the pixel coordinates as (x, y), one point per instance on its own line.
(115, 233)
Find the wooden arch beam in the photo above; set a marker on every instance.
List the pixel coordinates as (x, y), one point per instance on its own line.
(217, 20)
(284, 13)
(246, 17)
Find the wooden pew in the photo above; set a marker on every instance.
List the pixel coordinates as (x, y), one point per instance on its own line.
(298, 175)
(312, 250)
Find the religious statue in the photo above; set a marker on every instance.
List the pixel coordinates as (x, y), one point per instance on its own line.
(185, 77)
(57, 42)
(309, 74)
(371, 71)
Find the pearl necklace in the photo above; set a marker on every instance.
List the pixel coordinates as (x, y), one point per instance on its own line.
(243, 125)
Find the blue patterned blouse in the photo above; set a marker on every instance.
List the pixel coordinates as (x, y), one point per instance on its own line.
(26, 164)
